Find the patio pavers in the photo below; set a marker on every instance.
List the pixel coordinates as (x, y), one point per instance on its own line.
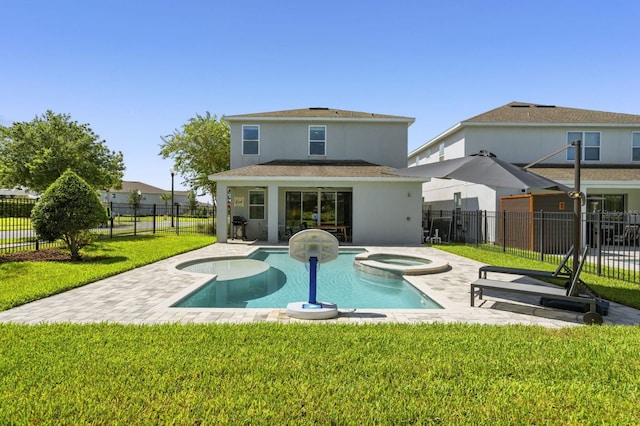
(144, 296)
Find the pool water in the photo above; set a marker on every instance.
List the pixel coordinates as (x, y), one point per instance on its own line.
(287, 280)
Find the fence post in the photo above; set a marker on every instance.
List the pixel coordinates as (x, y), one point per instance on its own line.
(153, 218)
(177, 219)
(504, 231)
(112, 215)
(135, 219)
(478, 225)
(541, 235)
(599, 235)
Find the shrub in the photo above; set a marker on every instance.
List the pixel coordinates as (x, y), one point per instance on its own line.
(205, 228)
(67, 210)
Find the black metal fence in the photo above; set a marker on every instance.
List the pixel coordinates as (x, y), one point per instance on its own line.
(614, 237)
(16, 233)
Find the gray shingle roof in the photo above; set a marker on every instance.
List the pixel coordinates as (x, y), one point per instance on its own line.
(607, 173)
(310, 169)
(320, 113)
(128, 186)
(521, 112)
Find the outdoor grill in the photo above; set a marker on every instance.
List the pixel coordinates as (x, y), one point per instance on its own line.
(239, 224)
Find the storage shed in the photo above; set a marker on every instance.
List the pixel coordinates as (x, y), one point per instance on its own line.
(537, 222)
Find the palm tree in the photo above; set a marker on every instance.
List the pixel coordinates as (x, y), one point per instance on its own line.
(166, 198)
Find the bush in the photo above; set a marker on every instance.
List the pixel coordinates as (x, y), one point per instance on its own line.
(205, 228)
(67, 210)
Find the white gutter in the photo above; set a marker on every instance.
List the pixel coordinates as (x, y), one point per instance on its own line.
(433, 141)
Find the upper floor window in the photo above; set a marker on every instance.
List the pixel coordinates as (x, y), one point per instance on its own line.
(635, 146)
(441, 152)
(317, 140)
(590, 145)
(250, 140)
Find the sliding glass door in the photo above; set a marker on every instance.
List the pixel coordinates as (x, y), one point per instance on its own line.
(320, 207)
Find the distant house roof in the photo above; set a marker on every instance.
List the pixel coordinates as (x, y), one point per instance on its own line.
(320, 113)
(528, 114)
(321, 169)
(521, 112)
(128, 186)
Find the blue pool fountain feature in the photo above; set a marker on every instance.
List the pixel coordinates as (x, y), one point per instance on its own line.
(313, 246)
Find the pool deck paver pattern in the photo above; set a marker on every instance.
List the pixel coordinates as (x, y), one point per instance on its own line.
(145, 295)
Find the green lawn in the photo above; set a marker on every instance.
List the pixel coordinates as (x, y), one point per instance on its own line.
(273, 374)
(23, 282)
(619, 291)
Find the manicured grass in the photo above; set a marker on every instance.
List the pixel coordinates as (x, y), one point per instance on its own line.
(23, 282)
(318, 374)
(611, 289)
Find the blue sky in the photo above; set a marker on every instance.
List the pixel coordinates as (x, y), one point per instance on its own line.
(137, 70)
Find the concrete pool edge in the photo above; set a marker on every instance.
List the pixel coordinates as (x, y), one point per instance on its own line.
(139, 296)
(429, 265)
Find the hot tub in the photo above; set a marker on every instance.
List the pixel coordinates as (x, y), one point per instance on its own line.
(398, 264)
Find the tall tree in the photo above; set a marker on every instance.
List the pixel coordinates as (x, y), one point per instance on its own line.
(201, 148)
(36, 153)
(68, 209)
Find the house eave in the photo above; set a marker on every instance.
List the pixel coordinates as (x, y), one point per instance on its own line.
(436, 139)
(263, 179)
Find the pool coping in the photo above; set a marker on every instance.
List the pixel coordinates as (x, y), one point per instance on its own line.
(142, 296)
(434, 266)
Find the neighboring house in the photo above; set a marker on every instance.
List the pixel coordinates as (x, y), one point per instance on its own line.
(320, 167)
(522, 133)
(18, 193)
(150, 194)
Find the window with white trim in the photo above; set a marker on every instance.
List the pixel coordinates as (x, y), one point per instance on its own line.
(250, 139)
(441, 152)
(590, 145)
(256, 204)
(635, 146)
(317, 140)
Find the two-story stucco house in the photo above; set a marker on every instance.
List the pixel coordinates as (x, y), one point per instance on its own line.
(522, 133)
(320, 167)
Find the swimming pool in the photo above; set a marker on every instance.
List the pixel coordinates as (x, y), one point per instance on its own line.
(287, 280)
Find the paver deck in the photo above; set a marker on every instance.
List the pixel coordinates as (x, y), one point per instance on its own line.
(144, 296)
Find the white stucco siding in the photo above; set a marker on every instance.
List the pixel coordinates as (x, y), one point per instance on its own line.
(438, 195)
(519, 144)
(454, 147)
(387, 214)
(377, 143)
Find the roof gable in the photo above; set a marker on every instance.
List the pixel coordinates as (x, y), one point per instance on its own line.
(521, 112)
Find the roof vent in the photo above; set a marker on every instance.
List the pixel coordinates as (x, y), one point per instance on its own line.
(319, 109)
